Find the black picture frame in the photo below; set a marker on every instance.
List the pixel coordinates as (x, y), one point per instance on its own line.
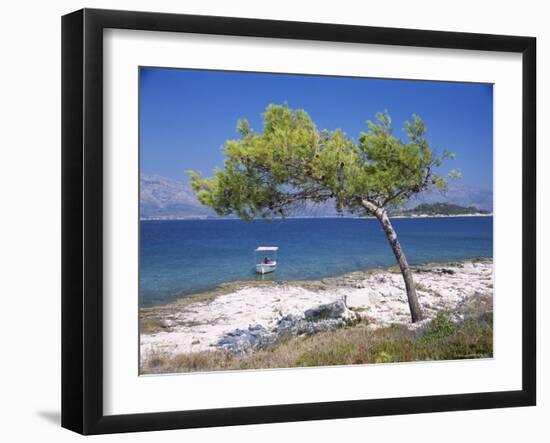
(82, 218)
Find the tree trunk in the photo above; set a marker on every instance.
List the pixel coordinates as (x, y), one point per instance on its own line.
(382, 216)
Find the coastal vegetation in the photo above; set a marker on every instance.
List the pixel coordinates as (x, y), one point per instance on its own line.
(355, 343)
(436, 209)
(293, 162)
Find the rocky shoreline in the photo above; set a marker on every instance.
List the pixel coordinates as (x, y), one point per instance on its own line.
(240, 316)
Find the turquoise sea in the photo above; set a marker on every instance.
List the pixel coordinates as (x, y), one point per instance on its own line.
(184, 257)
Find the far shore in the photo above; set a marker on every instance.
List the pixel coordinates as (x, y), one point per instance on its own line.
(176, 218)
(238, 316)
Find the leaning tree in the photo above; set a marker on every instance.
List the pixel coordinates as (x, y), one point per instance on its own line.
(291, 162)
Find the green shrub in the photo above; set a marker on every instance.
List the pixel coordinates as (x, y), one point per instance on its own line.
(440, 327)
(383, 357)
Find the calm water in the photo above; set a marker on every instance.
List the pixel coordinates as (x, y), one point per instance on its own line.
(184, 257)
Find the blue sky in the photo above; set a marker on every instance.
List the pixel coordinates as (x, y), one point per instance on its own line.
(186, 115)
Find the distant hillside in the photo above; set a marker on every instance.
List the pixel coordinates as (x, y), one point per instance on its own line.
(163, 198)
(441, 209)
(166, 198)
(458, 194)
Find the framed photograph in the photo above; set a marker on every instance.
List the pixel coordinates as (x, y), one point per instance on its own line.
(268, 221)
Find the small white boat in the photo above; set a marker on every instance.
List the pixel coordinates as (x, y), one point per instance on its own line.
(266, 268)
(268, 259)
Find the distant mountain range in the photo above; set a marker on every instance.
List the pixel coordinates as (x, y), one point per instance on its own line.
(163, 197)
(458, 194)
(166, 198)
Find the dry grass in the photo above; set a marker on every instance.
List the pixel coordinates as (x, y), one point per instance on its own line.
(440, 339)
(148, 325)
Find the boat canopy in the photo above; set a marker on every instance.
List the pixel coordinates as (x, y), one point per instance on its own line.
(267, 248)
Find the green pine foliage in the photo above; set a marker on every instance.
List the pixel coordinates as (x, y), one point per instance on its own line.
(292, 161)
